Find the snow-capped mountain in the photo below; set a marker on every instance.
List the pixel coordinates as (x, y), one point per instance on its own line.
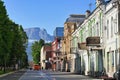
(35, 34)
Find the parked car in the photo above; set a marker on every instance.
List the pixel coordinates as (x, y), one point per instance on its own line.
(117, 75)
(36, 67)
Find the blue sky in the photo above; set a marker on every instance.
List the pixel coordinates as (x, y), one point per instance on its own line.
(47, 14)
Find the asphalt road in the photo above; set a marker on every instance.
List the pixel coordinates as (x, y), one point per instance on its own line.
(44, 75)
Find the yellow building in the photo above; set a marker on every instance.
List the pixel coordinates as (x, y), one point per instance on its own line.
(69, 27)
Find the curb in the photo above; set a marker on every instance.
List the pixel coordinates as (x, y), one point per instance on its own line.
(2, 75)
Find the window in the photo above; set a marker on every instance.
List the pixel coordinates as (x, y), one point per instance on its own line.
(113, 58)
(94, 31)
(111, 26)
(115, 24)
(107, 28)
(108, 61)
(81, 35)
(97, 25)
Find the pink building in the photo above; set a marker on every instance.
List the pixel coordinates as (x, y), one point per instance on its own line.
(56, 54)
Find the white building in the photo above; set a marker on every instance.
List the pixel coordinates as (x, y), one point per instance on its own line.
(112, 44)
(97, 40)
(43, 58)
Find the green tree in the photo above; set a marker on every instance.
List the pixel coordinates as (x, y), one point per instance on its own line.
(5, 35)
(19, 45)
(13, 41)
(36, 48)
(24, 39)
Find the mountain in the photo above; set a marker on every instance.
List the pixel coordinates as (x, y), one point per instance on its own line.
(35, 34)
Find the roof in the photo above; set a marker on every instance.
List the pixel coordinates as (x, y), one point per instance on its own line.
(75, 18)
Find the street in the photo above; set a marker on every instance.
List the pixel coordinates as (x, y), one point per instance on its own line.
(44, 75)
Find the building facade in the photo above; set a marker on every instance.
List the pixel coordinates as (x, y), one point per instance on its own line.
(90, 52)
(56, 46)
(45, 57)
(112, 45)
(70, 26)
(97, 40)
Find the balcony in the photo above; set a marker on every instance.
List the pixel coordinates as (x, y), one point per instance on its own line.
(82, 46)
(93, 41)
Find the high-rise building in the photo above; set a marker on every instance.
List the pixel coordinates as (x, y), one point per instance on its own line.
(58, 32)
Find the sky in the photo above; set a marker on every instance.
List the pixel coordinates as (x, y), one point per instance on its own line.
(47, 14)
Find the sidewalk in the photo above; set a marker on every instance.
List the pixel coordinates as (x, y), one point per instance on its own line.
(68, 74)
(5, 74)
(106, 78)
(72, 73)
(2, 75)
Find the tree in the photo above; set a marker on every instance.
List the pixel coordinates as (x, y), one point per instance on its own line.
(4, 35)
(19, 45)
(36, 48)
(13, 40)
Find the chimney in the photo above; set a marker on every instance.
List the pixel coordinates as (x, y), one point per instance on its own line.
(87, 13)
(98, 2)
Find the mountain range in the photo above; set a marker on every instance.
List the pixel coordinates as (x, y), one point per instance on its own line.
(35, 34)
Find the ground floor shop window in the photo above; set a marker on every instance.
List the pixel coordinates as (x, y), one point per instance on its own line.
(112, 58)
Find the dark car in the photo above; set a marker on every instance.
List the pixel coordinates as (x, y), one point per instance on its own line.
(117, 75)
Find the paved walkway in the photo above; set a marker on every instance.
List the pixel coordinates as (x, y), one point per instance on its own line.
(15, 75)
